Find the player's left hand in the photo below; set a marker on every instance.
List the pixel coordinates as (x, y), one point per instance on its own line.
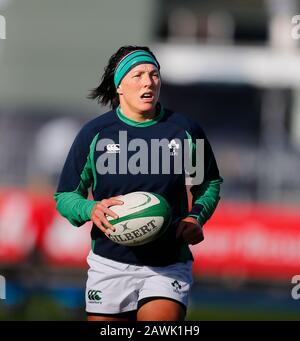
(190, 231)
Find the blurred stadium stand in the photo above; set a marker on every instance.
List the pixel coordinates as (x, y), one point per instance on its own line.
(231, 65)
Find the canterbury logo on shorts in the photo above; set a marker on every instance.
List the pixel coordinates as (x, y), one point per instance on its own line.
(94, 295)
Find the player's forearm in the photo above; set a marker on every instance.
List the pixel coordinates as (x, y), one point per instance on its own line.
(74, 207)
(205, 200)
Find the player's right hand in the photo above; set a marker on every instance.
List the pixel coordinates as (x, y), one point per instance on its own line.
(101, 210)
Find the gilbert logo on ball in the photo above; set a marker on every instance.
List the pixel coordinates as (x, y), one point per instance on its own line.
(142, 218)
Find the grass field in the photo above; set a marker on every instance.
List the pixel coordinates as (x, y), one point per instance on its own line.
(43, 308)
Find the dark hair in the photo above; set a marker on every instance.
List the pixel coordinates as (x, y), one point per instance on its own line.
(106, 91)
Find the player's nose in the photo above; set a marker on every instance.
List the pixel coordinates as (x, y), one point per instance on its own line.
(147, 80)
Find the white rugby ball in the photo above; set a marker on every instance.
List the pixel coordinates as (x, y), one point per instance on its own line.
(143, 217)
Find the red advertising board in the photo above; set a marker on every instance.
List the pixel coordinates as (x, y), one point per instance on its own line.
(241, 239)
(246, 240)
(18, 231)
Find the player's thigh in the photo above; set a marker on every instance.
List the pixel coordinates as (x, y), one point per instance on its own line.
(161, 309)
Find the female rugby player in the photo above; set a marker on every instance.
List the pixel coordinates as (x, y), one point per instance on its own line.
(152, 281)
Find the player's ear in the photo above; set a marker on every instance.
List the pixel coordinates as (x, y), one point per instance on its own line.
(119, 90)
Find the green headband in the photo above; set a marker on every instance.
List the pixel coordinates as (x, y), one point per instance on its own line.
(131, 60)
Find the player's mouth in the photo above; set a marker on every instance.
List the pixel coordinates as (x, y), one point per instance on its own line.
(147, 97)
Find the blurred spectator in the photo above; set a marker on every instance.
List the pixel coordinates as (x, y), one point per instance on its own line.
(52, 144)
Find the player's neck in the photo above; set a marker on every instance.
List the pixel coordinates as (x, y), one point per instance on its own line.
(138, 116)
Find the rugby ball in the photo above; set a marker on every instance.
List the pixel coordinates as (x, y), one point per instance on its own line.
(143, 217)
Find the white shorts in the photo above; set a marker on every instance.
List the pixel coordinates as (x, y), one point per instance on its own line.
(113, 287)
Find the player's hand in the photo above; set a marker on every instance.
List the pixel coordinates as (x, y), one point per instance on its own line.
(101, 210)
(190, 231)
